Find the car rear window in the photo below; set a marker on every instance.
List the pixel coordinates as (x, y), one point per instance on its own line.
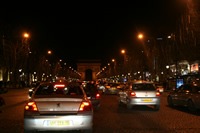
(143, 86)
(50, 89)
(91, 88)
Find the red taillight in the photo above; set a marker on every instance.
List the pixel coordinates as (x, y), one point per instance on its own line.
(97, 96)
(118, 87)
(157, 93)
(133, 94)
(85, 106)
(31, 106)
(59, 85)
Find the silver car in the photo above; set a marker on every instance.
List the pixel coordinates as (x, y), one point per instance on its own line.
(58, 107)
(140, 93)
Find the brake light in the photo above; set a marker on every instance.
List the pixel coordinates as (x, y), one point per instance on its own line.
(157, 93)
(97, 96)
(118, 87)
(107, 87)
(31, 106)
(85, 106)
(133, 94)
(59, 85)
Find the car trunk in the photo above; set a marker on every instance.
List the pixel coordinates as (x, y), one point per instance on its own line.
(58, 105)
(145, 93)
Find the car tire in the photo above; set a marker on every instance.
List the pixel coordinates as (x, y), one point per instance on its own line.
(191, 106)
(120, 102)
(28, 131)
(169, 100)
(156, 107)
(87, 131)
(97, 107)
(128, 105)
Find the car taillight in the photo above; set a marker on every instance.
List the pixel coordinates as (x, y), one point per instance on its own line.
(31, 106)
(157, 93)
(118, 87)
(107, 87)
(85, 106)
(59, 85)
(133, 94)
(97, 96)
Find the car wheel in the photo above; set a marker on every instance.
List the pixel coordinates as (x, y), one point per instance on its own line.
(128, 105)
(97, 107)
(120, 102)
(156, 107)
(191, 106)
(88, 131)
(28, 131)
(169, 100)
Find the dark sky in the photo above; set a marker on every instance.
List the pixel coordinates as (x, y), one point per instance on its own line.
(93, 32)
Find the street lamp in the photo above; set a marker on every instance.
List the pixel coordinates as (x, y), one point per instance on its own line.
(26, 35)
(140, 36)
(123, 52)
(49, 52)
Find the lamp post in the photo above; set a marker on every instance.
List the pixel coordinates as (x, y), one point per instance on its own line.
(25, 42)
(124, 53)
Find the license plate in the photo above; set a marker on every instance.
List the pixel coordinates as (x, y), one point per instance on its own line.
(113, 88)
(147, 100)
(58, 123)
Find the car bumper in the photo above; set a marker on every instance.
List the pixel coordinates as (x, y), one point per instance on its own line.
(112, 91)
(144, 101)
(41, 123)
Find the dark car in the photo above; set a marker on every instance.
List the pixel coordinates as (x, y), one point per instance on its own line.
(186, 95)
(93, 94)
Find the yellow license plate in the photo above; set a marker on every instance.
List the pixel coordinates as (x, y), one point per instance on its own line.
(147, 100)
(58, 123)
(113, 88)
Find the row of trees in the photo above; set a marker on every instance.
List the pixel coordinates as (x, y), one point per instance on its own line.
(20, 57)
(153, 54)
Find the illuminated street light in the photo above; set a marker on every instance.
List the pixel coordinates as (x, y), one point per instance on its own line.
(123, 51)
(49, 52)
(60, 60)
(140, 36)
(113, 60)
(26, 35)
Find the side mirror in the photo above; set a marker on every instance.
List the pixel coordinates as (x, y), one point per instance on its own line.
(31, 90)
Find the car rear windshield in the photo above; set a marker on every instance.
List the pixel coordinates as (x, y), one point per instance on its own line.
(91, 88)
(50, 89)
(143, 86)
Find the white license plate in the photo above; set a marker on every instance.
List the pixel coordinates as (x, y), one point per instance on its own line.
(58, 123)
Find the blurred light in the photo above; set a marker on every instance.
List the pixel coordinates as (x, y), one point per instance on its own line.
(113, 60)
(167, 66)
(49, 52)
(140, 36)
(123, 51)
(26, 35)
(169, 37)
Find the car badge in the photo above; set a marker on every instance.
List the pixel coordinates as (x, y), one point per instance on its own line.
(58, 105)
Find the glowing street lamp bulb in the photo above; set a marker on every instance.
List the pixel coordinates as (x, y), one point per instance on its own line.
(49, 52)
(140, 36)
(123, 51)
(113, 60)
(26, 35)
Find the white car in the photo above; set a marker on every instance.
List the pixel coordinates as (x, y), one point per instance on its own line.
(140, 93)
(58, 107)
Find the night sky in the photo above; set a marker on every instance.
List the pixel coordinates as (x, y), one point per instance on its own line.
(93, 32)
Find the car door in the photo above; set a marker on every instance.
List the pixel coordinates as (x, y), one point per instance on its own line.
(185, 94)
(177, 95)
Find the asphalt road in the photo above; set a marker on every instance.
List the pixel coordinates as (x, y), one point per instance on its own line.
(111, 118)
